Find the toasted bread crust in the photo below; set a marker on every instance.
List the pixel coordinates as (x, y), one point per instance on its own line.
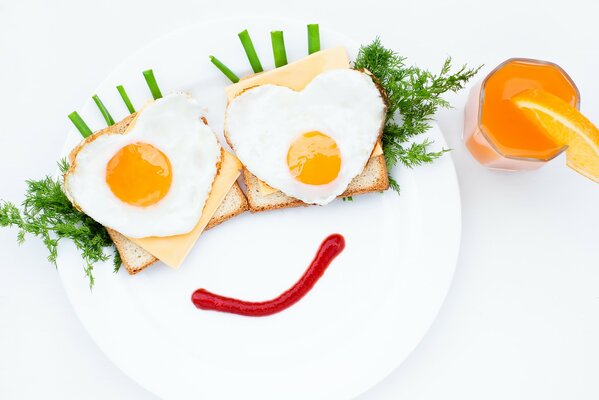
(253, 195)
(219, 219)
(259, 202)
(381, 182)
(121, 243)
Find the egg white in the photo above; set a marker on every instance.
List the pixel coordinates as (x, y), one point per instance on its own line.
(262, 122)
(172, 124)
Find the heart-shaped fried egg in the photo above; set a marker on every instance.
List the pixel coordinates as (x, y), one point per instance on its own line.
(154, 179)
(308, 144)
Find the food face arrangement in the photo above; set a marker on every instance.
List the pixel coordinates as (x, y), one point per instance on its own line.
(304, 133)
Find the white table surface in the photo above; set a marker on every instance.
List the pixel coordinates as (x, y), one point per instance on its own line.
(521, 320)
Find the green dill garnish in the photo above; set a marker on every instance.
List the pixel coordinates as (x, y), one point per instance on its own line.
(116, 261)
(414, 96)
(47, 213)
(278, 48)
(224, 69)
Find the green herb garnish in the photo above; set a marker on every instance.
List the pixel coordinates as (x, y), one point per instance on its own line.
(80, 124)
(313, 38)
(224, 69)
(116, 261)
(125, 98)
(47, 213)
(103, 110)
(278, 48)
(250, 51)
(151, 81)
(414, 96)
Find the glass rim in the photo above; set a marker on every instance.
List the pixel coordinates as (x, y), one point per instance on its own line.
(481, 99)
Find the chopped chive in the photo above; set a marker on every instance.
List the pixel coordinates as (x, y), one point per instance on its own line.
(224, 69)
(313, 38)
(151, 81)
(103, 110)
(125, 98)
(80, 124)
(250, 51)
(278, 48)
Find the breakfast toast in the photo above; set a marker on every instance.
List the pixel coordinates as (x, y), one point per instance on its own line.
(296, 76)
(373, 178)
(134, 257)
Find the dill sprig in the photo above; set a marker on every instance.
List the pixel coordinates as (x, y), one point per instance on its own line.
(414, 96)
(47, 213)
(116, 261)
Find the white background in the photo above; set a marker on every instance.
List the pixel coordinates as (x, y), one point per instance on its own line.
(521, 320)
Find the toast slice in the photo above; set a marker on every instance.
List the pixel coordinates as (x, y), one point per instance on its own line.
(373, 178)
(136, 259)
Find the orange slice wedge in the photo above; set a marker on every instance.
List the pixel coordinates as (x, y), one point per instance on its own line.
(565, 125)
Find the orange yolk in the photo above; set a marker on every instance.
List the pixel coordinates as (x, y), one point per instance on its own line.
(314, 158)
(139, 174)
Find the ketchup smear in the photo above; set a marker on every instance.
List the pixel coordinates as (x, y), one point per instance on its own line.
(329, 249)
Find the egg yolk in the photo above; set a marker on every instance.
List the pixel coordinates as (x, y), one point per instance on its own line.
(139, 174)
(314, 158)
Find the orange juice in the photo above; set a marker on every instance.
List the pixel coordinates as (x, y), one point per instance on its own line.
(496, 132)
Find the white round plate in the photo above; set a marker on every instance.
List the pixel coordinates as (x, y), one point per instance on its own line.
(361, 320)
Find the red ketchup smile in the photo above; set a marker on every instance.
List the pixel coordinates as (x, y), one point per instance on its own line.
(329, 249)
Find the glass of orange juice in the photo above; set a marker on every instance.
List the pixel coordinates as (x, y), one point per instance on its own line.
(496, 132)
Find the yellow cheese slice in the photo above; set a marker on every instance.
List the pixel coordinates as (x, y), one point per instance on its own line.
(296, 76)
(172, 250)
